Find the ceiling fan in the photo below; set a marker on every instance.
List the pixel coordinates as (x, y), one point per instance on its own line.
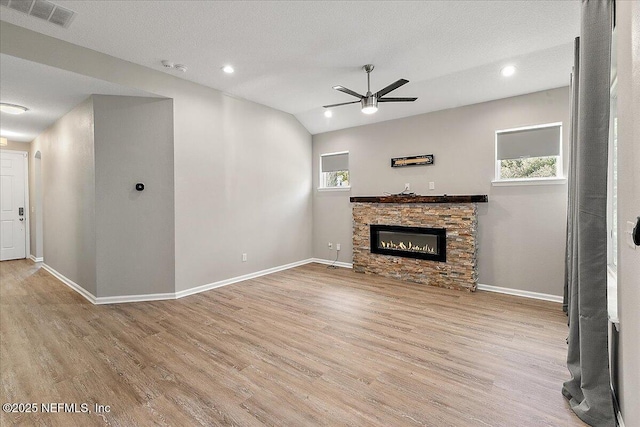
(370, 100)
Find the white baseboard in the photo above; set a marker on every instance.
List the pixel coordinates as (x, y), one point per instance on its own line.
(34, 259)
(181, 294)
(225, 282)
(70, 283)
(520, 293)
(169, 295)
(330, 262)
(134, 298)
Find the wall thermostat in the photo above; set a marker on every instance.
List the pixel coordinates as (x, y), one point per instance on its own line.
(139, 186)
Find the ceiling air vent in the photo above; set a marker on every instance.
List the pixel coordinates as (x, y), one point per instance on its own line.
(42, 9)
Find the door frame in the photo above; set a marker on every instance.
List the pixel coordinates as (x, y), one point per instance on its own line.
(27, 208)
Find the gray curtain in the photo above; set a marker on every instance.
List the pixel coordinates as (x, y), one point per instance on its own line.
(588, 390)
(571, 271)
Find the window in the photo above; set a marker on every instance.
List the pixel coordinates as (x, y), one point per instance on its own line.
(529, 153)
(334, 170)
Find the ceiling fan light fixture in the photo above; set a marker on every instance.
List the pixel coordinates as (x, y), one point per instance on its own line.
(369, 104)
(12, 108)
(369, 101)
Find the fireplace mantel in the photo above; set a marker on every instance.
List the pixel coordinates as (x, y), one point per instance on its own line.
(462, 198)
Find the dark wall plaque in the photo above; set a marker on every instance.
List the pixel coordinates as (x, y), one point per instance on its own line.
(425, 159)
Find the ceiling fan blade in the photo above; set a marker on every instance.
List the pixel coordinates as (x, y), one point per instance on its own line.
(343, 103)
(392, 86)
(396, 99)
(349, 91)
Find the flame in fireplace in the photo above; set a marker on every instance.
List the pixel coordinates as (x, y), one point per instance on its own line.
(408, 247)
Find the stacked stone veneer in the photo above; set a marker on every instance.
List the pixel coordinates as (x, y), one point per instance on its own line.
(460, 271)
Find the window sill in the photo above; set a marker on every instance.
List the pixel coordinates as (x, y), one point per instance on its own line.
(539, 181)
(334, 188)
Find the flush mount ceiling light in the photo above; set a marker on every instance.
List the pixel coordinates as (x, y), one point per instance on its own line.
(370, 101)
(508, 71)
(12, 108)
(328, 113)
(228, 69)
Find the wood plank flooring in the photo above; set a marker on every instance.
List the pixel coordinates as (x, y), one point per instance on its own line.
(308, 346)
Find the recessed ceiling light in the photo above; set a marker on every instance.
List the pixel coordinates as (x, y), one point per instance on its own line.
(12, 108)
(508, 71)
(228, 69)
(328, 113)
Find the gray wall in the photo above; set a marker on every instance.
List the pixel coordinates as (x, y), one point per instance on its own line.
(241, 170)
(628, 21)
(521, 229)
(243, 185)
(69, 195)
(134, 230)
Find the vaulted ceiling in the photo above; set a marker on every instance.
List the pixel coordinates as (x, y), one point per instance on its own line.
(289, 54)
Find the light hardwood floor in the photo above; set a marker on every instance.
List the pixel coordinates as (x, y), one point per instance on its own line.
(304, 347)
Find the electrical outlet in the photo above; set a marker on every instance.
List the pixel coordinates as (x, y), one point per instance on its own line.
(244, 257)
(432, 185)
(407, 187)
(330, 245)
(337, 246)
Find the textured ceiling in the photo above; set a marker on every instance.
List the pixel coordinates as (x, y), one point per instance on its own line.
(48, 92)
(288, 55)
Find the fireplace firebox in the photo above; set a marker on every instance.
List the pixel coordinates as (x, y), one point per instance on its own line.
(409, 242)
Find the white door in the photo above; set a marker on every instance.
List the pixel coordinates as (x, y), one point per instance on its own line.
(12, 206)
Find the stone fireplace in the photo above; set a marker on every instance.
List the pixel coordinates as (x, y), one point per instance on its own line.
(424, 239)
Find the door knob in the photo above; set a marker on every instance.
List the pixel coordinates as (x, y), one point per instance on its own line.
(21, 219)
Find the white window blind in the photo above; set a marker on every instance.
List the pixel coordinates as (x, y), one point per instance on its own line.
(335, 162)
(536, 142)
